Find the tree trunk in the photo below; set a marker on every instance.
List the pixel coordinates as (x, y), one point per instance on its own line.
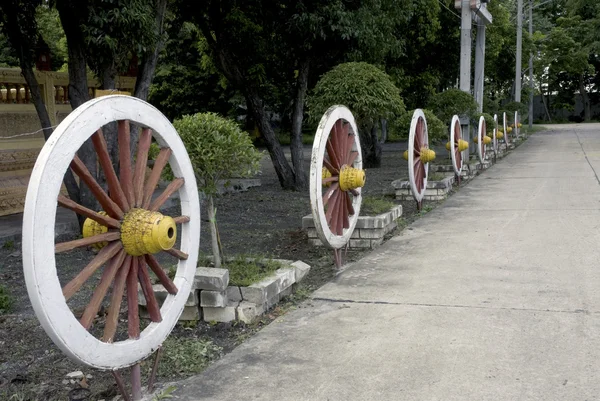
(78, 86)
(280, 163)
(150, 59)
(42, 112)
(587, 108)
(371, 147)
(296, 146)
(212, 221)
(544, 102)
(383, 131)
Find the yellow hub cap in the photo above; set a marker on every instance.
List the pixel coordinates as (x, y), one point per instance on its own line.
(462, 145)
(351, 178)
(92, 227)
(144, 232)
(427, 155)
(325, 173)
(499, 135)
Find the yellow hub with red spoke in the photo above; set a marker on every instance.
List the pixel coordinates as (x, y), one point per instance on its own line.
(325, 173)
(92, 227)
(145, 232)
(351, 178)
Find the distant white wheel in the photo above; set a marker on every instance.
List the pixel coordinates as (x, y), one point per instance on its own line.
(481, 133)
(336, 168)
(517, 124)
(505, 126)
(495, 133)
(117, 231)
(418, 143)
(455, 137)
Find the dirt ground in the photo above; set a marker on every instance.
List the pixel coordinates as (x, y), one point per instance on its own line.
(263, 221)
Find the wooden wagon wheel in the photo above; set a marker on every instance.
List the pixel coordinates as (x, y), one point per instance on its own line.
(482, 138)
(505, 127)
(516, 124)
(129, 231)
(419, 156)
(339, 174)
(456, 145)
(495, 135)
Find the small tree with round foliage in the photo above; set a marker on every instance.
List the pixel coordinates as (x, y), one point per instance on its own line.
(450, 102)
(370, 95)
(219, 150)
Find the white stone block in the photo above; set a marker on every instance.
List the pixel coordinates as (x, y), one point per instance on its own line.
(301, 270)
(210, 278)
(213, 299)
(161, 294)
(234, 294)
(226, 314)
(247, 311)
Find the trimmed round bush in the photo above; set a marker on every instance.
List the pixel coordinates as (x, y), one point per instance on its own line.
(437, 130)
(450, 102)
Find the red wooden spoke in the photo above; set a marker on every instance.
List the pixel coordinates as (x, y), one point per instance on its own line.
(332, 156)
(133, 316)
(339, 141)
(160, 273)
(330, 167)
(327, 197)
(94, 239)
(418, 138)
(349, 145)
(349, 206)
(108, 275)
(169, 190)
(352, 158)
(423, 176)
(345, 219)
(159, 164)
(126, 176)
(112, 316)
(146, 284)
(84, 211)
(331, 207)
(458, 157)
(101, 258)
(334, 178)
(339, 227)
(114, 187)
(141, 161)
(335, 214)
(107, 204)
(181, 219)
(418, 175)
(177, 253)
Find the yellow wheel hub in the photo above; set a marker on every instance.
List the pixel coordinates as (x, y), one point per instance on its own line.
(499, 135)
(462, 145)
(427, 155)
(351, 178)
(325, 173)
(92, 227)
(487, 140)
(144, 232)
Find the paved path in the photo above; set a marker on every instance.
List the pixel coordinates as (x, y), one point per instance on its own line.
(493, 296)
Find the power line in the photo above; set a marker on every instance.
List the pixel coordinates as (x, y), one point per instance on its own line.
(446, 7)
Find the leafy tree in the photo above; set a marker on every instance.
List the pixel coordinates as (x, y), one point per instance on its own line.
(450, 102)
(370, 95)
(436, 129)
(218, 149)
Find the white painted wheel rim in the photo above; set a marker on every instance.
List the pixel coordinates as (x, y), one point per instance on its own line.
(481, 146)
(516, 126)
(453, 126)
(495, 133)
(39, 217)
(504, 123)
(417, 194)
(331, 116)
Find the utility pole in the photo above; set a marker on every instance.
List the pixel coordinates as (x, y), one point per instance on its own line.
(465, 47)
(479, 63)
(530, 119)
(519, 49)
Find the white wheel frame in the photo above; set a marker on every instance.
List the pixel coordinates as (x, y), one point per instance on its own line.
(516, 127)
(495, 133)
(39, 263)
(331, 116)
(480, 142)
(455, 120)
(411, 155)
(505, 126)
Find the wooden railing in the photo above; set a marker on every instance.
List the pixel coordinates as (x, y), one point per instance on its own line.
(53, 85)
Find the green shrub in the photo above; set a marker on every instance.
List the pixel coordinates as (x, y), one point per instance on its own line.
(218, 150)
(450, 102)
(510, 109)
(489, 121)
(437, 130)
(6, 300)
(186, 356)
(245, 271)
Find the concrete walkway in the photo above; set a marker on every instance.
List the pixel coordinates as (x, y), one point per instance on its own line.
(493, 296)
